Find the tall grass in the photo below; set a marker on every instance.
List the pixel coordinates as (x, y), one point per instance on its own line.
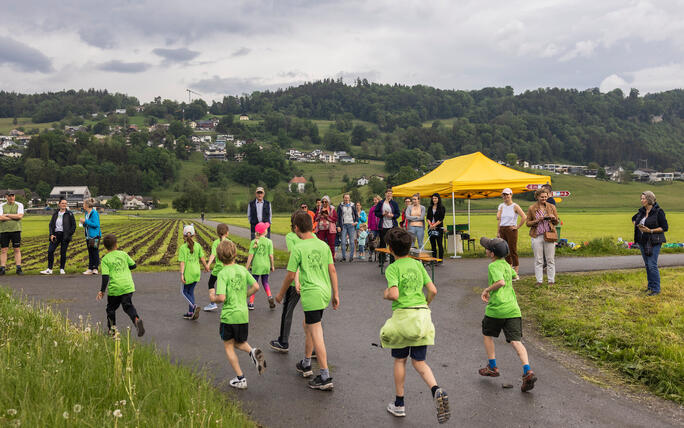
(607, 317)
(54, 373)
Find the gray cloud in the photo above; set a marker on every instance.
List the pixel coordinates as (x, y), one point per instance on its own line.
(237, 86)
(176, 55)
(241, 52)
(97, 36)
(118, 66)
(23, 57)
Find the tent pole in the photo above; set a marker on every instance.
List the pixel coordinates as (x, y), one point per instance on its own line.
(468, 214)
(453, 215)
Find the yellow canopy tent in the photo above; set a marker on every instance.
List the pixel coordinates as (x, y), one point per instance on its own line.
(472, 176)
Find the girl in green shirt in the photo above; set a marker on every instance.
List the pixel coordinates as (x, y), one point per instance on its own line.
(261, 260)
(189, 256)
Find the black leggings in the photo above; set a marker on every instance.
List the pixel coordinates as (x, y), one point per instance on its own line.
(383, 244)
(291, 299)
(435, 242)
(113, 302)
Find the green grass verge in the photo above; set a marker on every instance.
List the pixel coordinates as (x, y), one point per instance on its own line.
(57, 374)
(607, 317)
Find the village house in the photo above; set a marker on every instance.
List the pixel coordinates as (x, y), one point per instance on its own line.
(244, 117)
(215, 154)
(74, 195)
(297, 184)
(362, 181)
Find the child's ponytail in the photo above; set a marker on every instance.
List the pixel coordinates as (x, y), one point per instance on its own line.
(191, 242)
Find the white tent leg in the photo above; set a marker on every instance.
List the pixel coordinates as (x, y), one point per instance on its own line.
(453, 214)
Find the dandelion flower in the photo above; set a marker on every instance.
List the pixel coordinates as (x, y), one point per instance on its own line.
(16, 423)
(77, 408)
(117, 413)
(122, 402)
(65, 415)
(55, 343)
(11, 412)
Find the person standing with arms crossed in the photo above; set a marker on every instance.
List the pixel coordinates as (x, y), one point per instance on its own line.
(62, 227)
(259, 211)
(387, 212)
(11, 213)
(91, 222)
(347, 219)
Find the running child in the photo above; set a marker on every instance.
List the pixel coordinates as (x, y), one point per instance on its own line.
(261, 260)
(317, 279)
(363, 235)
(502, 312)
(290, 295)
(222, 232)
(234, 284)
(410, 330)
(190, 255)
(116, 268)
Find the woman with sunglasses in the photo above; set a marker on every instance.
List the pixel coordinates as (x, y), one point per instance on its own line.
(326, 229)
(510, 218)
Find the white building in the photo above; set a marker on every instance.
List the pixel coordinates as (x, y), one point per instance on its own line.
(362, 181)
(297, 184)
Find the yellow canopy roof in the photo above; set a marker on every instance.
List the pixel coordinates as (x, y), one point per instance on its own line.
(472, 176)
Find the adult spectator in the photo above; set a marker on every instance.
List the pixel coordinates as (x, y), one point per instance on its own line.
(435, 218)
(347, 219)
(327, 223)
(404, 223)
(11, 213)
(93, 234)
(387, 213)
(542, 219)
(415, 220)
(62, 227)
(549, 189)
(650, 226)
(373, 221)
(510, 218)
(318, 205)
(304, 207)
(259, 211)
(361, 214)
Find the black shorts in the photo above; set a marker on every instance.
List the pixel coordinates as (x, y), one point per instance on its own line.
(312, 317)
(418, 353)
(512, 327)
(212, 281)
(237, 332)
(6, 237)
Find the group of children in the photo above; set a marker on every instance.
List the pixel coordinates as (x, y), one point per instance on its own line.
(311, 277)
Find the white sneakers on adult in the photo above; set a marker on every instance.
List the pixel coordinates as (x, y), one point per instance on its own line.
(88, 272)
(46, 272)
(62, 272)
(94, 271)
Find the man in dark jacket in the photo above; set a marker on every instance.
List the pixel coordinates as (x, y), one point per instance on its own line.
(259, 211)
(387, 212)
(62, 227)
(347, 219)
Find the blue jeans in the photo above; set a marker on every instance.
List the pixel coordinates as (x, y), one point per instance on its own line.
(348, 230)
(188, 291)
(652, 272)
(419, 233)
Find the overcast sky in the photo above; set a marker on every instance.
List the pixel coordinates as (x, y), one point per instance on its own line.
(216, 47)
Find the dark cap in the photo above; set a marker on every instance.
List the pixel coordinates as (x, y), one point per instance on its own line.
(496, 245)
(10, 193)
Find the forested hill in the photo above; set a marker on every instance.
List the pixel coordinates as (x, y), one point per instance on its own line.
(544, 125)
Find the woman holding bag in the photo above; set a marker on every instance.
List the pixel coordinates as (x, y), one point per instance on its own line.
(326, 217)
(542, 218)
(91, 223)
(650, 226)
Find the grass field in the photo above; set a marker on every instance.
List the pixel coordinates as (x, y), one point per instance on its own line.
(608, 318)
(57, 374)
(6, 124)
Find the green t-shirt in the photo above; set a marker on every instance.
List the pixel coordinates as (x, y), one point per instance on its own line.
(312, 257)
(233, 281)
(192, 272)
(218, 264)
(115, 264)
(11, 225)
(261, 260)
(409, 275)
(502, 302)
(291, 240)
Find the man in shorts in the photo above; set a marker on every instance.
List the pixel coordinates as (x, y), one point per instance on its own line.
(11, 213)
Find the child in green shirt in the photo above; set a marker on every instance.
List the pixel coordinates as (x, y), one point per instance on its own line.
(317, 279)
(261, 260)
(234, 284)
(189, 255)
(502, 311)
(222, 232)
(410, 329)
(116, 272)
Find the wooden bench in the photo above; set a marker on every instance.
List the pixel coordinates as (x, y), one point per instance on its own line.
(425, 258)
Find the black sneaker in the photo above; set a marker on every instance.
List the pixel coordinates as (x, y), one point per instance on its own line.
(19, 271)
(187, 315)
(139, 326)
(319, 383)
(304, 371)
(2, 270)
(283, 348)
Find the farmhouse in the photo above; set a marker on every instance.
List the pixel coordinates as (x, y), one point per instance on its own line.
(73, 194)
(297, 184)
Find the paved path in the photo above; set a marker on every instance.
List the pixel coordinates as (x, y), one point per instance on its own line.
(362, 372)
(244, 232)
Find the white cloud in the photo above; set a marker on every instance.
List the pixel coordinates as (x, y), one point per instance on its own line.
(647, 80)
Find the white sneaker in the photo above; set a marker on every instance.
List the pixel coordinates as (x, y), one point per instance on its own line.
(238, 383)
(62, 272)
(94, 271)
(88, 272)
(210, 307)
(399, 411)
(46, 272)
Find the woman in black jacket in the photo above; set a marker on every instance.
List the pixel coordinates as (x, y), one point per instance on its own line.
(650, 226)
(62, 227)
(435, 218)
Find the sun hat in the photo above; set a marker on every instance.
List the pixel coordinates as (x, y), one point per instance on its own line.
(507, 190)
(262, 227)
(259, 189)
(496, 245)
(189, 230)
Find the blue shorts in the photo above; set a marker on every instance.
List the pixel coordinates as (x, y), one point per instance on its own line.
(418, 353)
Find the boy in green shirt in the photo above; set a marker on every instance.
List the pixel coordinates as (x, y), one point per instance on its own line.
(222, 232)
(317, 279)
(502, 312)
(234, 284)
(261, 260)
(410, 329)
(116, 270)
